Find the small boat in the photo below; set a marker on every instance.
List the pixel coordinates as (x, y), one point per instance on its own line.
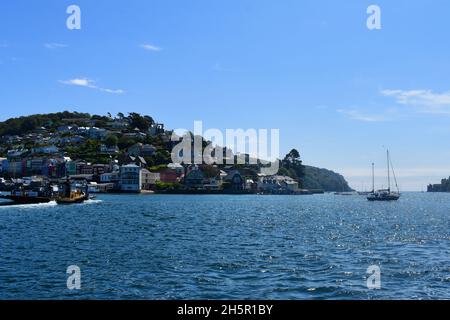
(72, 193)
(74, 198)
(26, 199)
(24, 194)
(386, 194)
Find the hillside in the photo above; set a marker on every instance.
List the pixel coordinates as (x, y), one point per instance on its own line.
(78, 143)
(316, 178)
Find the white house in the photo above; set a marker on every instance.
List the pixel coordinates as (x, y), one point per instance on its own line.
(277, 183)
(130, 178)
(109, 150)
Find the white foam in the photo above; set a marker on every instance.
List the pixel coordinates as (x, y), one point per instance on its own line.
(28, 206)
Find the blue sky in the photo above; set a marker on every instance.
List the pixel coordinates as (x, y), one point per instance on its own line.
(337, 91)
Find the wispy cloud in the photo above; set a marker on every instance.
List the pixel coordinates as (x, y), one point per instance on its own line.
(150, 47)
(220, 68)
(55, 45)
(426, 101)
(357, 115)
(87, 83)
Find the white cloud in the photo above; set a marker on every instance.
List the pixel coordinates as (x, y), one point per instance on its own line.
(114, 91)
(80, 82)
(150, 47)
(55, 45)
(426, 101)
(357, 115)
(87, 83)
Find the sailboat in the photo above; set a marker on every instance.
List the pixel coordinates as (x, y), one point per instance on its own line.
(385, 194)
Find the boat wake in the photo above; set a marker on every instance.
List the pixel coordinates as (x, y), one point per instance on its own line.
(5, 205)
(93, 201)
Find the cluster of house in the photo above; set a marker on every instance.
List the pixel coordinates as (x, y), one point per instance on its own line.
(128, 173)
(133, 177)
(74, 133)
(53, 166)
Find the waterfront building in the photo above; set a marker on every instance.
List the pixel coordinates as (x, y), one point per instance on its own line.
(194, 179)
(277, 184)
(84, 168)
(149, 179)
(168, 175)
(110, 177)
(235, 181)
(99, 169)
(130, 178)
(71, 168)
(16, 168)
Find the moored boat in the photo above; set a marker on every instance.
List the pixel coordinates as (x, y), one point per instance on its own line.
(386, 194)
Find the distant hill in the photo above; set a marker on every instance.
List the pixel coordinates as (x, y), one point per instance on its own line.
(444, 186)
(327, 180)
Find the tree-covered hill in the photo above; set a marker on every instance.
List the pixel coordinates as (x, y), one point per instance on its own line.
(26, 124)
(327, 180)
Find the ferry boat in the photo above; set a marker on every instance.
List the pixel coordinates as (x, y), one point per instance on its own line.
(26, 195)
(72, 193)
(74, 197)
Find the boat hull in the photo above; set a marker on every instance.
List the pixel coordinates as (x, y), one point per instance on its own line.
(391, 197)
(67, 201)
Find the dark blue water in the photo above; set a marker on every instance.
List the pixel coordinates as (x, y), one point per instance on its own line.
(228, 247)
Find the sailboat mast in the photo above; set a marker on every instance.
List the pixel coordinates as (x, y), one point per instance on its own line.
(389, 172)
(373, 177)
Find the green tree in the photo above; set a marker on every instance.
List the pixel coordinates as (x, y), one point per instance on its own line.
(111, 141)
(140, 122)
(125, 142)
(292, 165)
